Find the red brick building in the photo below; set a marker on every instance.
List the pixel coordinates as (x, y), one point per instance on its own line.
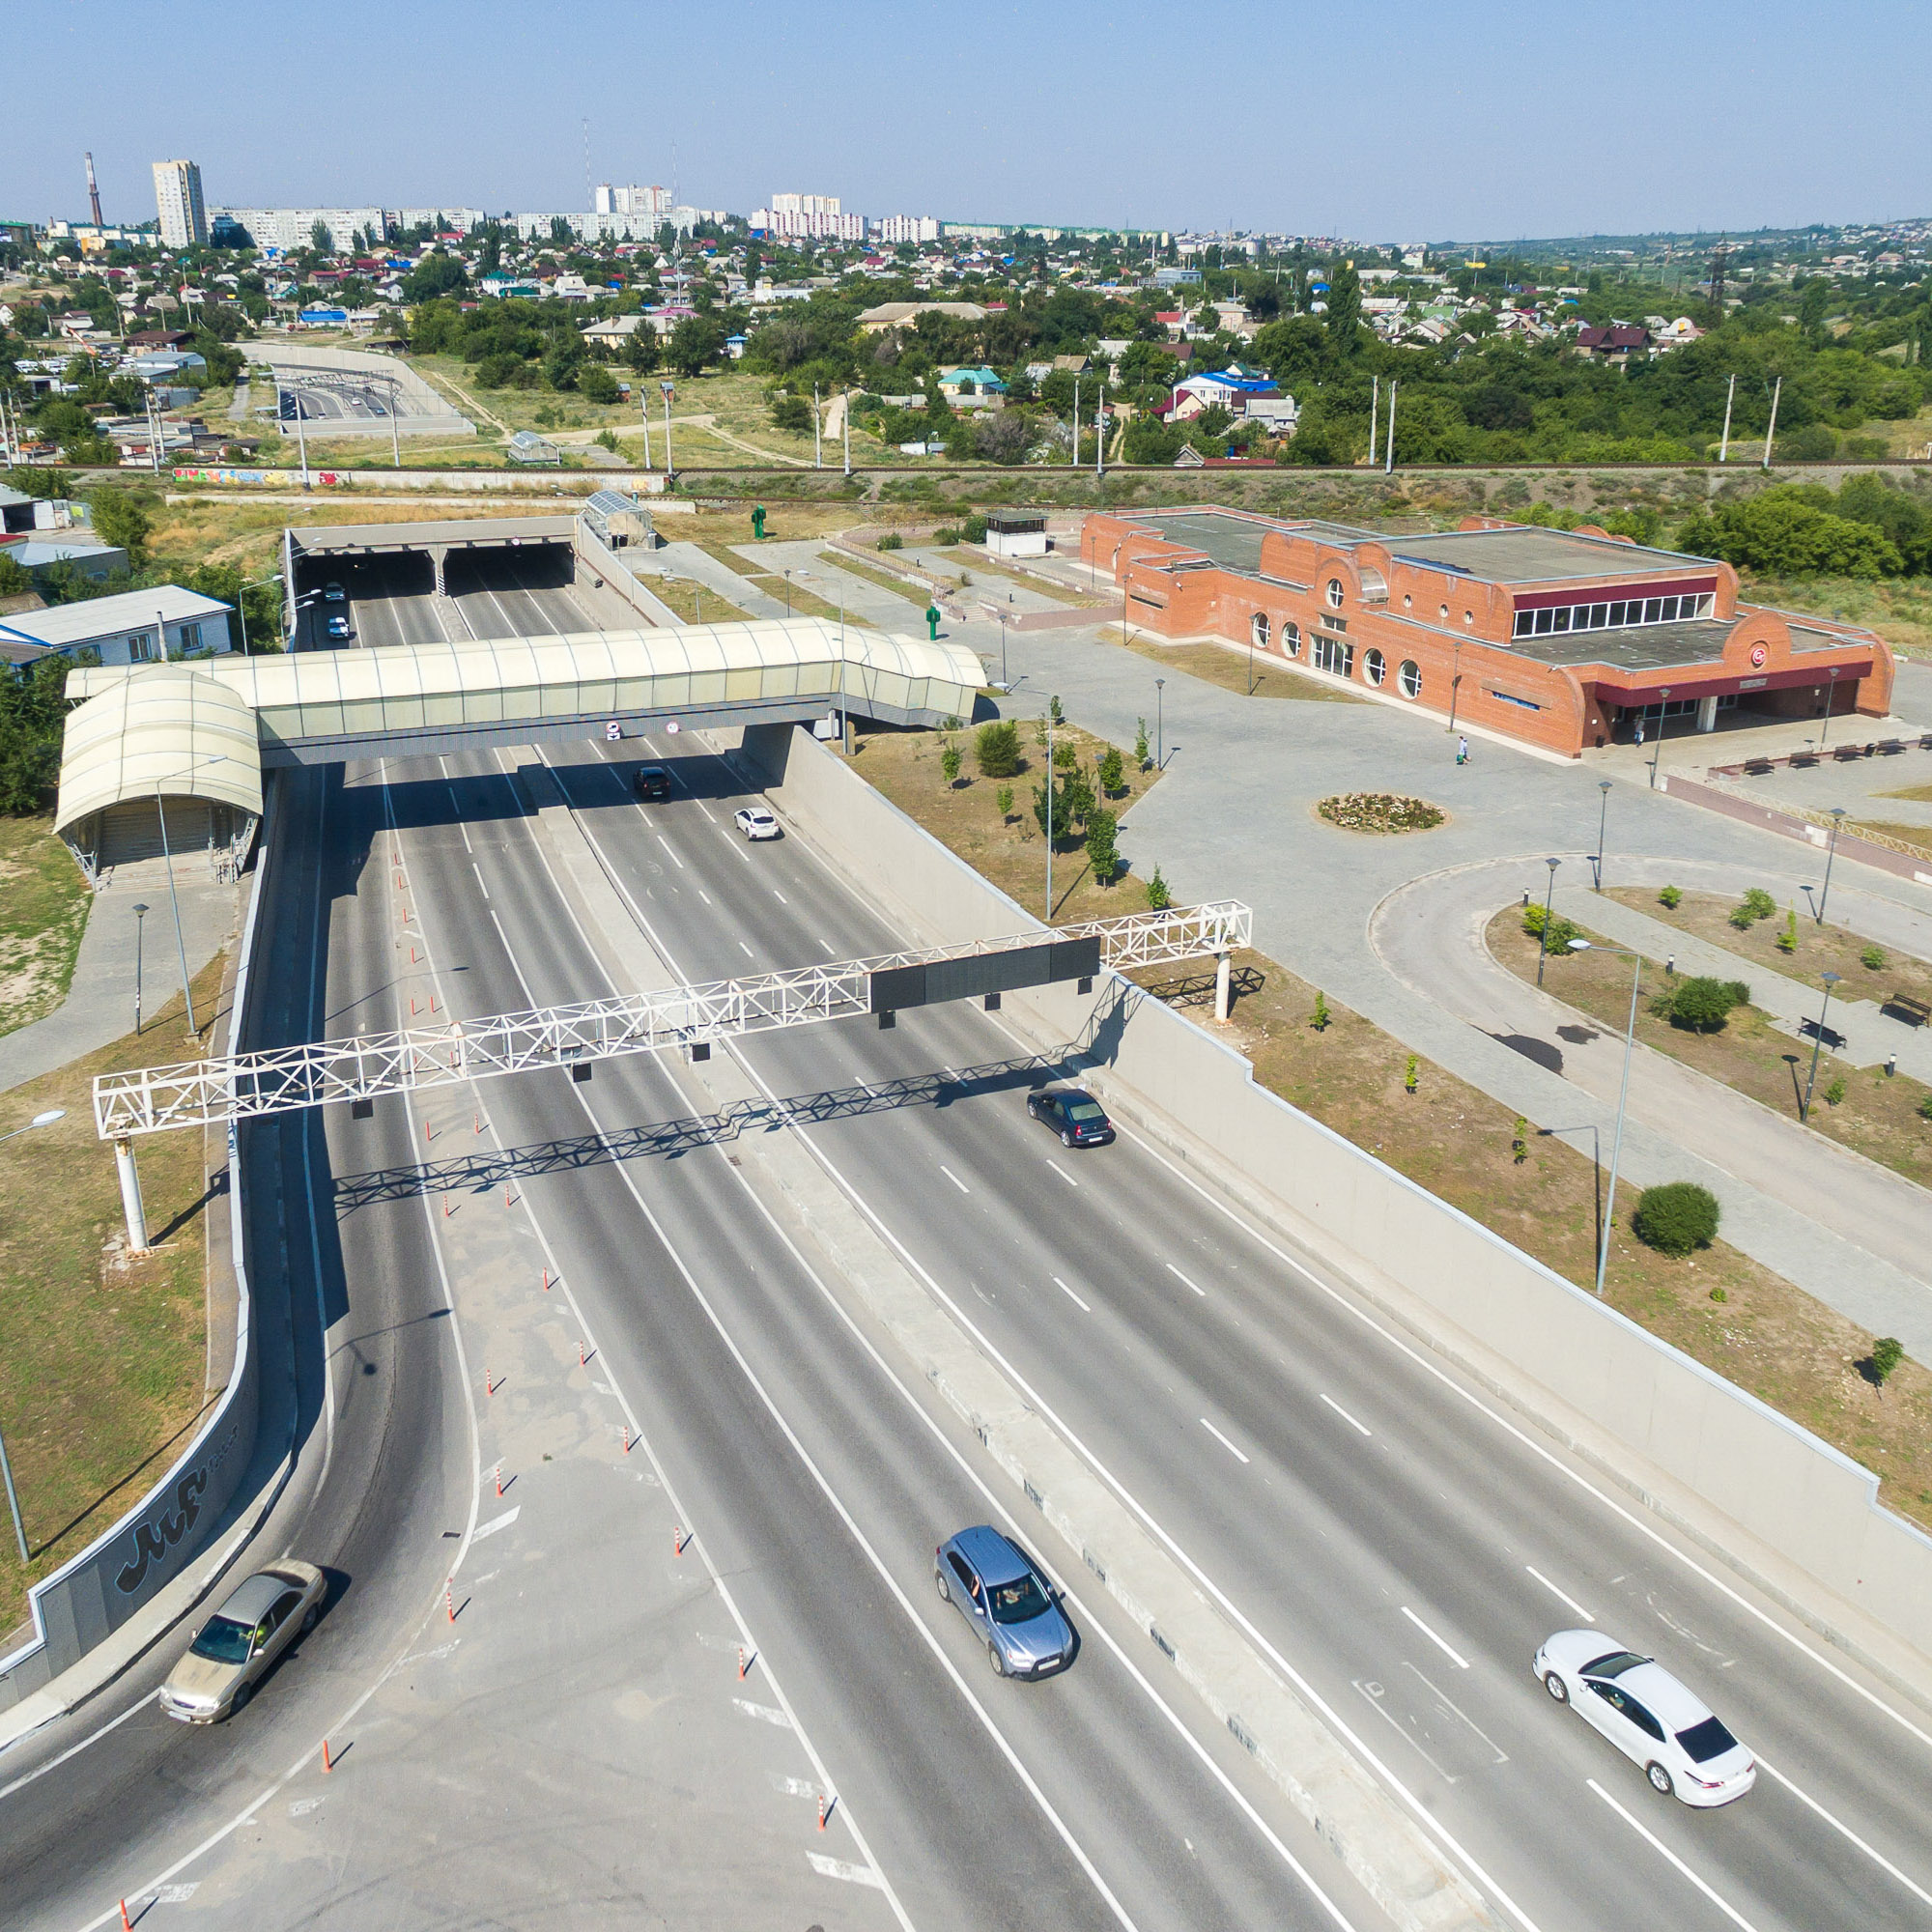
(1564, 639)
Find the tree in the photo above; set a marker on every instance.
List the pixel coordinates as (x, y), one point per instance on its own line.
(595, 383)
(694, 343)
(1102, 850)
(1158, 897)
(121, 517)
(998, 749)
(436, 274)
(1781, 534)
(791, 411)
(320, 239)
(1002, 436)
(641, 351)
(948, 763)
(1888, 1351)
(1113, 771)
(1701, 1005)
(1345, 309)
(1676, 1217)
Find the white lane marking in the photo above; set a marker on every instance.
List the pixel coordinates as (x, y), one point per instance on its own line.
(794, 1787)
(1063, 1174)
(1222, 1440)
(764, 1713)
(954, 1179)
(780, 896)
(515, 968)
(704, 895)
(675, 859)
(972, 1476)
(1454, 1656)
(75, 1750)
(1561, 1596)
(1178, 1276)
(496, 1524)
(479, 870)
(840, 1869)
(1523, 1439)
(1651, 1839)
(1877, 1858)
(1071, 1297)
(1345, 1417)
(746, 951)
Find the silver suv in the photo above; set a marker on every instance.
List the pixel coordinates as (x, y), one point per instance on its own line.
(1010, 1605)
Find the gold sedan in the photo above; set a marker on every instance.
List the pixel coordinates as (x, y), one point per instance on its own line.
(239, 1645)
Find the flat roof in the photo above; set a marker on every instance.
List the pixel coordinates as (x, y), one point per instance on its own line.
(1233, 541)
(101, 616)
(1696, 641)
(1530, 555)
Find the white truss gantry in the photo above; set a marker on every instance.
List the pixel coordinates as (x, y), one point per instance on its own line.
(151, 1099)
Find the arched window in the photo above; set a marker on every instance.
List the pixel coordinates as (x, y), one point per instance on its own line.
(1290, 638)
(1375, 667)
(1258, 630)
(1334, 593)
(1468, 616)
(1442, 613)
(1409, 678)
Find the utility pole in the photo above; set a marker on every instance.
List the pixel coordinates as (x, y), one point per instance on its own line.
(1073, 461)
(301, 439)
(845, 428)
(645, 412)
(1101, 434)
(1725, 445)
(669, 471)
(817, 443)
(1388, 465)
(1375, 416)
(1049, 815)
(395, 434)
(1771, 428)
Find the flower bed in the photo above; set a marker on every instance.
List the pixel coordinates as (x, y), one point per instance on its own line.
(1380, 812)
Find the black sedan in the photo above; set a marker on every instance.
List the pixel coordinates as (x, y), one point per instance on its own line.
(1073, 1114)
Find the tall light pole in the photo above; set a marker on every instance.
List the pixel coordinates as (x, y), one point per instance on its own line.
(1101, 434)
(395, 433)
(1831, 853)
(1663, 712)
(1542, 938)
(140, 915)
(1830, 980)
(1603, 816)
(644, 414)
(1455, 682)
(1049, 815)
(818, 440)
(671, 468)
(1160, 726)
(1073, 463)
(45, 1119)
(1623, 1100)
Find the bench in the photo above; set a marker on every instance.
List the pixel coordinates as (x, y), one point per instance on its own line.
(1913, 1011)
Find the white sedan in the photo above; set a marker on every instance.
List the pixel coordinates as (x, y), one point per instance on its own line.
(755, 822)
(1649, 1715)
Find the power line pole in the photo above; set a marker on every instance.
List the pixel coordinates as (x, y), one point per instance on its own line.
(1725, 447)
(1771, 428)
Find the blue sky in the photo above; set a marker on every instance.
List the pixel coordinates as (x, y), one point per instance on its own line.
(1388, 120)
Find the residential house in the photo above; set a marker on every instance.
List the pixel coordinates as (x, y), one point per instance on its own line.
(134, 627)
(973, 386)
(1615, 343)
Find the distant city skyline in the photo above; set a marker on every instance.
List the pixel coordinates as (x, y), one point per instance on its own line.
(1396, 121)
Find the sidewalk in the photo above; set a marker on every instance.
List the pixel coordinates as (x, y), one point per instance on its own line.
(100, 1006)
(1869, 1035)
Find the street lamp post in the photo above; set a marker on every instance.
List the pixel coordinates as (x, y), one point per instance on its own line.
(45, 1119)
(1160, 726)
(1830, 980)
(671, 468)
(1602, 816)
(1049, 815)
(1662, 710)
(1830, 692)
(1455, 681)
(1831, 853)
(1596, 1134)
(1543, 937)
(140, 915)
(1623, 1101)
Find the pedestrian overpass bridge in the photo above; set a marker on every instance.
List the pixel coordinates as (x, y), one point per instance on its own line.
(171, 756)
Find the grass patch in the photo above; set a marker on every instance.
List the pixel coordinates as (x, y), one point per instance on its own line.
(101, 1356)
(1826, 949)
(1914, 794)
(1918, 836)
(1010, 852)
(838, 559)
(1227, 665)
(694, 602)
(1878, 1117)
(773, 583)
(44, 907)
(1767, 1336)
(1059, 592)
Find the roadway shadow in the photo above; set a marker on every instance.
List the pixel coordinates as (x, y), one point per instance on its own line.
(486, 1169)
(1533, 1049)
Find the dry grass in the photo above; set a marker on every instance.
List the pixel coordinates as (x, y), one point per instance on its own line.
(1917, 794)
(1009, 851)
(694, 602)
(101, 1356)
(839, 560)
(1227, 665)
(1918, 836)
(44, 907)
(800, 601)
(1060, 593)
(1876, 1117)
(1767, 1336)
(1899, 608)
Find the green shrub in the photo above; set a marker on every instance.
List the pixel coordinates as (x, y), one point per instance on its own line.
(1318, 1020)
(1741, 919)
(998, 749)
(1888, 1351)
(1160, 898)
(1925, 1106)
(1676, 1217)
(1788, 940)
(1835, 1091)
(1409, 1076)
(1143, 757)
(1872, 958)
(974, 528)
(1054, 711)
(1670, 898)
(1719, 1294)
(891, 540)
(1004, 800)
(1519, 1140)
(1561, 930)
(1113, 771)
(1103, 852)
(1064, 755)
(1757, 904)
(949, 762)
(1701, 1005)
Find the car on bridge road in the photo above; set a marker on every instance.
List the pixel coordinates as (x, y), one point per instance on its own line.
(338, 626)
(333, 593)
(1649, 1715)
(238, 1645)
(755, 822)
(651, 782)
(1010, 1605)
(1073, 1114)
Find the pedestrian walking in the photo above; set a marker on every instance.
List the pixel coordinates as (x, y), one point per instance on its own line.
(1462, 750)
(1640, 731)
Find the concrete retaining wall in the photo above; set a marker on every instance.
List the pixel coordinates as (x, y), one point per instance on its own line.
(1670, 1423)
(94, 1593)
(603, 562)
